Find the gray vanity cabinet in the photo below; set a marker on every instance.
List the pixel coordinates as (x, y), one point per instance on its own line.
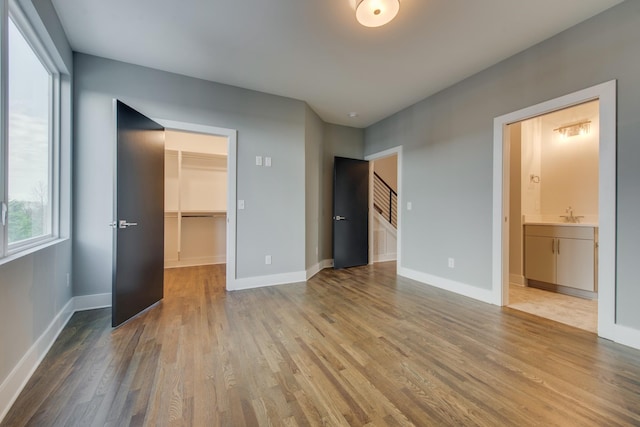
(561, 255)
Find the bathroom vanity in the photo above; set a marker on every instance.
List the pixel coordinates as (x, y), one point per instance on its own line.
(562, 257)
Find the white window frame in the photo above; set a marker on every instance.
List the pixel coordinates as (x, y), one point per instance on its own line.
(10, 9)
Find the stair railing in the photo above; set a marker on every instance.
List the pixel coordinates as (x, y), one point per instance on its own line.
(385, 200)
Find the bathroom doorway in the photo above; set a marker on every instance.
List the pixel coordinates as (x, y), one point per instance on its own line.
(605, 264)
(553, 232)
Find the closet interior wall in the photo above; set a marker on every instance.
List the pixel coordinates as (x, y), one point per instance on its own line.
(195, 199)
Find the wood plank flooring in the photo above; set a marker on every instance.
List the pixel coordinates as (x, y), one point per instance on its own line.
(357, 347)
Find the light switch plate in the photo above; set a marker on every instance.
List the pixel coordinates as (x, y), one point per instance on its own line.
(409, 206)
(267, 162)
(240, 204)
(258, 160)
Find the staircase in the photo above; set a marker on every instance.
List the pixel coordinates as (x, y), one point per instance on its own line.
(385, 221)
(385, 200)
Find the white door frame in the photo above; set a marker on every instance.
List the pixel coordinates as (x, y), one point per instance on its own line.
(232, 150)
(386, 153)
(606, 93)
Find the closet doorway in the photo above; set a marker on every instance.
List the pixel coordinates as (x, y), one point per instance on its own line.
(195, 199)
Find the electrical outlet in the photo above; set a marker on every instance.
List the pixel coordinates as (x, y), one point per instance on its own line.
(267, 162)
(267, 259)
(452, 263)
(258, 160)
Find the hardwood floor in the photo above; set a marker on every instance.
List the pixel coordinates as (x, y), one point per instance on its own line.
(350, 347)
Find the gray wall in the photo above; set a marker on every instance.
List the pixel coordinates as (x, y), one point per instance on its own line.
(323, 142)
(314, 133)
(273, 221)
(33, 288)
(448, 144)
(45, 18)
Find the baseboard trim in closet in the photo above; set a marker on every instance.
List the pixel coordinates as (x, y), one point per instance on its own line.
(194, 262)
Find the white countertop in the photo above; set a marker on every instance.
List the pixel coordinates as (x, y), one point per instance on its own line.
(563, 224)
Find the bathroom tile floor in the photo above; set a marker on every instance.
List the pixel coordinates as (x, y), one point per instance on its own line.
(578, 312)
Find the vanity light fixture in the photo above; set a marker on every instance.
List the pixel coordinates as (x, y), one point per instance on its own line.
(573, 129)
(376, 13)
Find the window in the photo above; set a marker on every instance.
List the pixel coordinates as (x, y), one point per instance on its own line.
(29, 142)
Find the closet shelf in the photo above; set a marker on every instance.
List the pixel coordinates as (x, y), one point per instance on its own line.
(195, 207)
(204, 156)
(191, 214)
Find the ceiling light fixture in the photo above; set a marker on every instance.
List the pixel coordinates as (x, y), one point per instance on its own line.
(375, 13)
(573, 129)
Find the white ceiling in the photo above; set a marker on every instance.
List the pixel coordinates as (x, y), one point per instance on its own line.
(314, 50)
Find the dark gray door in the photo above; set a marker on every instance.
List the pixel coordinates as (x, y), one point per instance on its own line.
(138, 275)
(350, 212)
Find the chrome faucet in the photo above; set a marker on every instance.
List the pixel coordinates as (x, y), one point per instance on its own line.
(570, 217)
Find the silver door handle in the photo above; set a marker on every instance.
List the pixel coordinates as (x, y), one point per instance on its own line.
(124, 224)
(339, 218)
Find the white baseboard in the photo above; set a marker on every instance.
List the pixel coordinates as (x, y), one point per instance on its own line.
(626, 336)
(270, 280)
(16, 380)
(193, 262)
(484, 295)
(315, 269)
(384, 257)
(620, 334)
(14, 383)
(517, 279)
